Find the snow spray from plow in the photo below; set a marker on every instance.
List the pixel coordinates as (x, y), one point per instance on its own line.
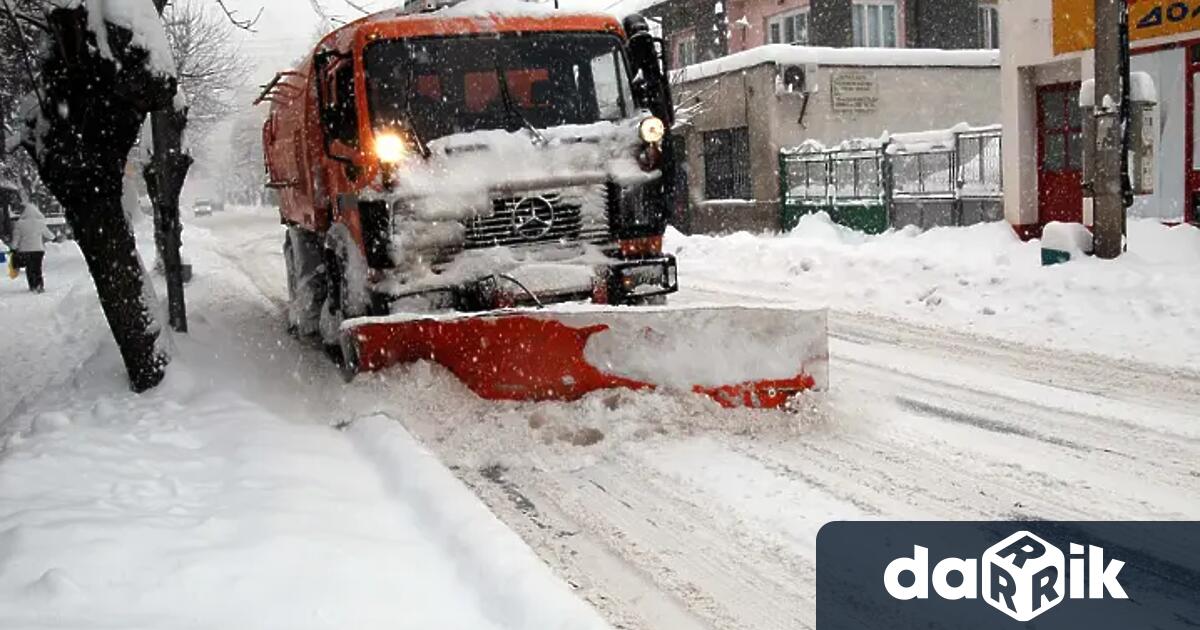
(738, 356)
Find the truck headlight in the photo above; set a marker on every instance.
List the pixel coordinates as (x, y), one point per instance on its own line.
(390, 148)
(652, 130)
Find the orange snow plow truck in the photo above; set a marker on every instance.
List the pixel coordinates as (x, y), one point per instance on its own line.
(488, 189)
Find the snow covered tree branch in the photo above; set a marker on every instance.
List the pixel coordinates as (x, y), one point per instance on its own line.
(210, 66)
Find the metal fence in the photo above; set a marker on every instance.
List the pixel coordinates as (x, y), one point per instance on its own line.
(951, 177)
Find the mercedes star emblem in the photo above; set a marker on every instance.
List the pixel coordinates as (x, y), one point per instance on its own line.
(532, 217)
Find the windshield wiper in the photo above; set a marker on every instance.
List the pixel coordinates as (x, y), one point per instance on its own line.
(408, 115)
(539, 137)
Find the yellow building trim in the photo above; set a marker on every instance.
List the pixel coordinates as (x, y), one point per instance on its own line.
(1074, 21)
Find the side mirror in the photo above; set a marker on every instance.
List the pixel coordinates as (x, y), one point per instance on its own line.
(652, 90)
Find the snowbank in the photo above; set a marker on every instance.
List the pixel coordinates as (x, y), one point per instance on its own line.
(193, 507)
(786, 54)
(1141, 89)
(43, 335)
(980, 277)
(515, 588)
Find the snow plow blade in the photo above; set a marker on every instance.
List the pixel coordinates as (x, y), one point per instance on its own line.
(738, 356)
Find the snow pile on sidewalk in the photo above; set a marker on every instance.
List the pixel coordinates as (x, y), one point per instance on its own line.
(1146, 305)
(42, 336)
(192, 507)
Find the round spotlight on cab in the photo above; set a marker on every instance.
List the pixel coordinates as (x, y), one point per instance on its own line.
(390, 148)
(652, 130)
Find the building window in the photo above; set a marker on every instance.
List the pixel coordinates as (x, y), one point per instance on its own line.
(727, 164)
(989, 25)
(874, 24)
(788, 28)
(685, 49)
(1061, 127)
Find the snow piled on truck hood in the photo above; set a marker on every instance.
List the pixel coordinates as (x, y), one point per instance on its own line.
(465, 171)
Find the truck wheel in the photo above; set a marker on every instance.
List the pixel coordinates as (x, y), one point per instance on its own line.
(292, 326)
(302, 256)
(346, 293)
(348, 357)
(332, 314)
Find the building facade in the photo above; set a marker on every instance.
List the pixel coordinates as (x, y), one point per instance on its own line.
(1046, 57)
(739, 111)
(701, 30)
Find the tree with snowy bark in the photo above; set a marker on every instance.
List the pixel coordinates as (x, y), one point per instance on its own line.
(99, 68)
(104, 66)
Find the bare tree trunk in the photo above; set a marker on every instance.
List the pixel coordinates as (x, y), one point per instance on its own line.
(107, 242)
(165, 174)
(82, 144)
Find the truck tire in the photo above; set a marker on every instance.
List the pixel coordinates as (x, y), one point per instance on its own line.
(306, 281)
(346, 294)
(292, 327)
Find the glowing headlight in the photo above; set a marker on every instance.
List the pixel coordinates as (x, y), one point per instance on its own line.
(390, 148)
(652, 130)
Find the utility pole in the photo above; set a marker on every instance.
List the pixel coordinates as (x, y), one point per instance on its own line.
(1112, 77)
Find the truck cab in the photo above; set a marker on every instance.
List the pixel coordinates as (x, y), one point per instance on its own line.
(458, 161)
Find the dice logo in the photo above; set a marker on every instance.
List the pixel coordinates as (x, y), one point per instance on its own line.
(1024, 576)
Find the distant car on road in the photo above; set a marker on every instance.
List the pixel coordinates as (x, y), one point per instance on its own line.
(204, 208)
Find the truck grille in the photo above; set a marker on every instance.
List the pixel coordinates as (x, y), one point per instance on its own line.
(551, 217)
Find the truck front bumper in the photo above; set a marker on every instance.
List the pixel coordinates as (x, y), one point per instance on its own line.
(620, 282)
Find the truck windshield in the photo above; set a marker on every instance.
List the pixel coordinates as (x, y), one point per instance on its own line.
(445, 85)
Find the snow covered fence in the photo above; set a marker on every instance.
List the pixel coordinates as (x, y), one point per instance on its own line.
(929, 178)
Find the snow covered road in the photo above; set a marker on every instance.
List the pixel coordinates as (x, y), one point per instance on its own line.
(677, 514)
(667, 511)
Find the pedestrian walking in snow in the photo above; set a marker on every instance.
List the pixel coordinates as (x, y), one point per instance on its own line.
(29, 246)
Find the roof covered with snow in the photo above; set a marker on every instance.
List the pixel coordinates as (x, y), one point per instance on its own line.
(785, 54)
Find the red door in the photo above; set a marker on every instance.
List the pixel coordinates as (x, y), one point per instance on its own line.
(1060, 154)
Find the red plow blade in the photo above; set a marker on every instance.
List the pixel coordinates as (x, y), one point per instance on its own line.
(738, 356)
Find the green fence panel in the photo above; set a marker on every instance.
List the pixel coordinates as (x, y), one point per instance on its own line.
(870, 218)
